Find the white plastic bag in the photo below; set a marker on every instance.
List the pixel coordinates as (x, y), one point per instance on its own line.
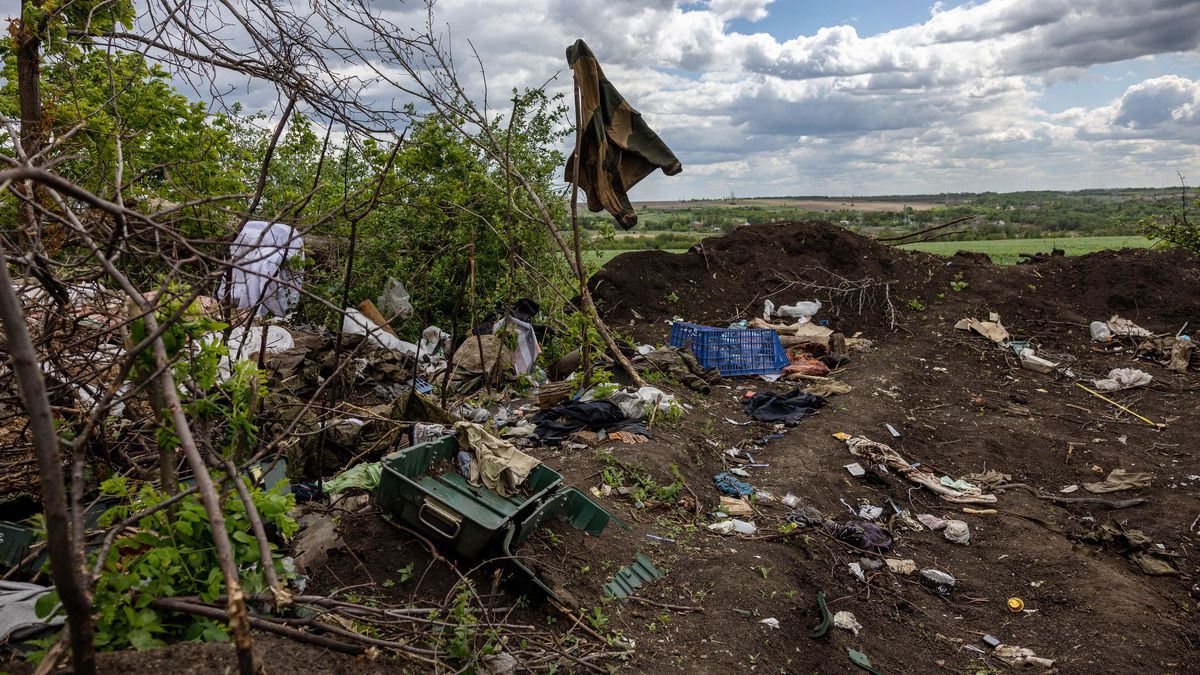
(801, 311)
(356, 323)
(394, 302)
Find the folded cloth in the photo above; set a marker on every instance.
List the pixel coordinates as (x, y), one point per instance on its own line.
(498, 464)
(788, 408)
(1119, 479)
(17, 615)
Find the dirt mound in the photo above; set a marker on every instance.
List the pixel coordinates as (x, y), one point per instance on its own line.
(865, 285)
(727, 278)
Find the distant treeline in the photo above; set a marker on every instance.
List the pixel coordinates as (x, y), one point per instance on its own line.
(1015, 215)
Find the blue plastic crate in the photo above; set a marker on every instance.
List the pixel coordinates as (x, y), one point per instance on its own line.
(732, 351)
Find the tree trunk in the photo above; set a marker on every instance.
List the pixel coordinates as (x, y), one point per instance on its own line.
(66, 558)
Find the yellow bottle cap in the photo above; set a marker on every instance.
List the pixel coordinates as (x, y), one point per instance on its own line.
(1016, 604)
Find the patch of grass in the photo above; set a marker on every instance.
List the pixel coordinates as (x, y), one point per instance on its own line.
(1005, 251)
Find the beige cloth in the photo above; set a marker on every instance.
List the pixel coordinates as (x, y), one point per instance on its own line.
(1119, 479)
(498, 464)
(878, 453)
(827, 389)
(992, 330)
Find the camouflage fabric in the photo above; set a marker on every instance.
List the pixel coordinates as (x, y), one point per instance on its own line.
(616, 149)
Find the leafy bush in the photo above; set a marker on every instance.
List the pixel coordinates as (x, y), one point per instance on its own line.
(170, 554)
(1177, 227)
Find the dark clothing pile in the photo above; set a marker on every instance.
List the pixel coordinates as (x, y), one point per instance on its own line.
(857, 533)
(787, 408)
(556, 424)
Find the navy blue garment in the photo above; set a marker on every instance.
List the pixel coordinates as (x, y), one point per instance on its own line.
(561, 421)
(787, 408)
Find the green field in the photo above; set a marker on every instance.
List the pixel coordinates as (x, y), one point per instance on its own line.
(1005, 251)
(1002, 251)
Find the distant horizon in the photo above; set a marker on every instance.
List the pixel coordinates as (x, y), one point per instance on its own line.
(913, 195)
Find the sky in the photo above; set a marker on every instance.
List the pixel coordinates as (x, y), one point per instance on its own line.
(792, 97)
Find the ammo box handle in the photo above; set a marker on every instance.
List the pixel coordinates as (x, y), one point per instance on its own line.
(443, 515)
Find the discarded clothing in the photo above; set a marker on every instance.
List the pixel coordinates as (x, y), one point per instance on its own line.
(787, 408)
(357, 323)
(559, 422)
(989, 479)
(1123, 378)
(860, 534)
(264, 275)
(477, 358)
(17, 614)
(805, 366)
(1174, 354)
(878, 453)
(827, 389)
(616, 146)
(1119, 479)
(678, 364)
(1135, 545)
(498, 464)
(363, 476)
(728, 484)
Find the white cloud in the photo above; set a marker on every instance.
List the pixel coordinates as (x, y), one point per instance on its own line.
(948, 104)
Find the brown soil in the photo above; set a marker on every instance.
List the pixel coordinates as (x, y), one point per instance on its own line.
(961, 404)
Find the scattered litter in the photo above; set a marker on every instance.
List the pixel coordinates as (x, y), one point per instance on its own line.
(992, 330)
(1123, 378)
(857, 570)
(740, 424)
(991, 641)
(892, 430)
(1015, 604)
(1118, 480)
(264, 275)
(655, 537)
(931, 521)
(790, 500)
(846, 621)
(364, 476)
(1135, 545)
(937, 580)
(801, 311)
(860, 659)
(735, 506)
(879, 453)
(842, 436)
(744, 527)
(957, 484)
(1019, 657)
(730, 485)
(957, 531)
(1126, 328)
(856, 470)
(770, 622)
(1031, 361)
(869, 512)
(898, 566)
(1100, 331)
(721, 527)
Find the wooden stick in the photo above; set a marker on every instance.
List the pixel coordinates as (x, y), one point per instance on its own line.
(1102, 397)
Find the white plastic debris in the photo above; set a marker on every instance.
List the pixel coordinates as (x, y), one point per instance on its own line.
(957, 531)
(857, 570)
(898, 566)
(790, 500)
(869, 512)
(931, 521)
(645, 349)
(1100, 331)
(846, 621)
(744, 527)
(801, 311)
(770, 622)
(356, 323)
(268, 261)
(768, 310)
(1031, 361)
(394, 302)
(1123, 378)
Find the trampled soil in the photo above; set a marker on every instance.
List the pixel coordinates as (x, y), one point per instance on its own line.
(961, 405)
